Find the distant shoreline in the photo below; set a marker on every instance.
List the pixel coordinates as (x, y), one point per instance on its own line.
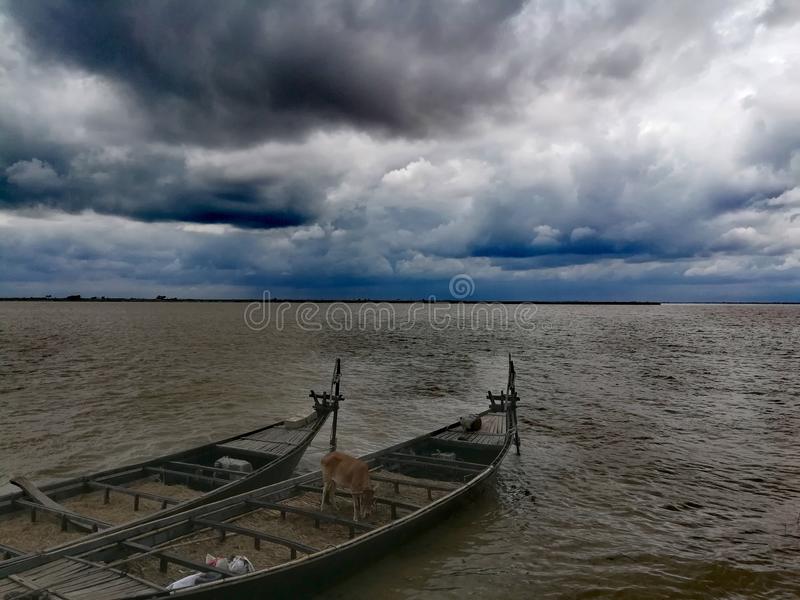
(332, 300)
(163, 300)
(395, 301)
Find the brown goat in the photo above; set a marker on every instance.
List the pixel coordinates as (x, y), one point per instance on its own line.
(340, 469)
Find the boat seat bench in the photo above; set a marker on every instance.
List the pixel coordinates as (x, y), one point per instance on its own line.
(257, 536)
(425, 485)
(439, 462)
(415, 461)
(393, 504)
(9, 552)
(313, 514)
(215, 470)
(185, 475)
(166, 557)
(67, 517)
(108, 488)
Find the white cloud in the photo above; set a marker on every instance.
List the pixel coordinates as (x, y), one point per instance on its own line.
(209, 228)
(744, 236)
(315, 232)
(545, 235)
(415, 174)
(582, 233)
(33, 174)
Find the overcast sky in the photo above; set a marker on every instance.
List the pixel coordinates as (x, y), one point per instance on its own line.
(549, 150)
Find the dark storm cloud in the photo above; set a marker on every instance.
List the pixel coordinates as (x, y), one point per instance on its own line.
(229, 76)
(158, 188)
(781, 13)
(618, 63)
(262, 206)
(236, 72)
(775, 140)
(564, 251)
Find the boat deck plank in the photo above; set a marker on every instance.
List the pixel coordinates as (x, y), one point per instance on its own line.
(275, 441)
(77, 579)
(9, 587)
(457, 435)
(492, 432)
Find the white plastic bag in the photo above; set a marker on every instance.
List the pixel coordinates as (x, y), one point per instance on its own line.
(239, 565)
(219, 562)
(188, 581)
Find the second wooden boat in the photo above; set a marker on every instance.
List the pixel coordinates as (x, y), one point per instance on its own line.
(59, 514)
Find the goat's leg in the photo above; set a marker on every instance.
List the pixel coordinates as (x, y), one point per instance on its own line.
(324, 493)
(332, 494)
(356, 506)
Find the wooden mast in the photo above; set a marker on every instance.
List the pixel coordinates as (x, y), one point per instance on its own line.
(337, 376)
(329, 401)
(511, 392)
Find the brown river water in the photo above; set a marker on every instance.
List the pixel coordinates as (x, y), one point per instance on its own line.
(660, 447)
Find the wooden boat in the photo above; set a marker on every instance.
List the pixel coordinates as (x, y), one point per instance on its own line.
(62, 512)
(295, 547)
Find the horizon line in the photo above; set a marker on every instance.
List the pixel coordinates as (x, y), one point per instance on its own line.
(160, 299)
